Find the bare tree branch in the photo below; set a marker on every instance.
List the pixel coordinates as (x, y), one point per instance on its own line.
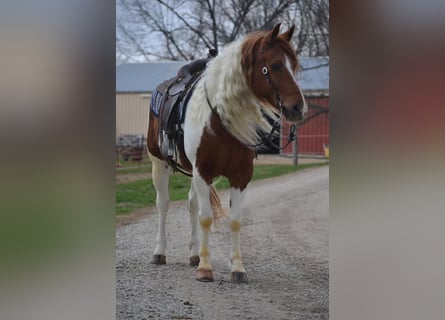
(184, 29)
(196, 31)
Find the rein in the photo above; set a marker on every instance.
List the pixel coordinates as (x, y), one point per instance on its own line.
(291, 137)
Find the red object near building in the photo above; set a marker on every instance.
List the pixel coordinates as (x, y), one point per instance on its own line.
(313, 135)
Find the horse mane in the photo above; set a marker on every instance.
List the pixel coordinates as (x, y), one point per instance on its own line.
(229, 92)
(229, 81)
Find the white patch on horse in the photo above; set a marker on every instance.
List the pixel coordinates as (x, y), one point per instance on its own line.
(160, 176)
(294, 77)
(289, 68)
(193, 210)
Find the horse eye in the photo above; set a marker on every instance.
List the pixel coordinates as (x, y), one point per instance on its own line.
(275, 66)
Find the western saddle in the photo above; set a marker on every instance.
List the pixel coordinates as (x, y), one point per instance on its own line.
(175, 94)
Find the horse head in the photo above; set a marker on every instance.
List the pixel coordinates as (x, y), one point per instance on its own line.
(270, 65)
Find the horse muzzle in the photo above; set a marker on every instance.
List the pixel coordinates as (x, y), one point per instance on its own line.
(295, 113)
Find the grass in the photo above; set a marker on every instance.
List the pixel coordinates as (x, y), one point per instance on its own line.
(141, 193)
(134, 167)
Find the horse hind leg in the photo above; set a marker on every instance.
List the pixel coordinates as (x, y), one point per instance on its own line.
(194, 242)
(160, 176)
(237, 272)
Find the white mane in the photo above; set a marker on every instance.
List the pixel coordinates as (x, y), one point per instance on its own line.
(230, 95)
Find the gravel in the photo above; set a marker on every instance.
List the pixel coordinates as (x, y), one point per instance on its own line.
(285, 253)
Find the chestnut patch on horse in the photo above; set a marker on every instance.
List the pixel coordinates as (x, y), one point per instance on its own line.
(220, 154)
(152, 136)
(153, 146)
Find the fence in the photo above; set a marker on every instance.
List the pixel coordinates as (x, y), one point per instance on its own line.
(130, 147)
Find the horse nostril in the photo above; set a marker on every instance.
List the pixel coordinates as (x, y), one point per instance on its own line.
(298, 108)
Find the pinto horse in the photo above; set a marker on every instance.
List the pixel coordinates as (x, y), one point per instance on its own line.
(223, 119)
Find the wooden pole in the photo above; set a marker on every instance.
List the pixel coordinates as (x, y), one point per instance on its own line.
(295, 147)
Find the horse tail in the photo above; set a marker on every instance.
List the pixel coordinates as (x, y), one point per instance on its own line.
(215, 202)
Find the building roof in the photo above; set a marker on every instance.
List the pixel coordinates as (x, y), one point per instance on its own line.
(144, 77)
(315, 74)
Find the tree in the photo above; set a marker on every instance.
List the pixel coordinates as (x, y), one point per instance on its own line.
(186, 29)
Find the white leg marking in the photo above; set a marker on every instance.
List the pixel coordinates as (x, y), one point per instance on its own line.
(236, 200)
(160, 175)
(193, 209)
(205, 219)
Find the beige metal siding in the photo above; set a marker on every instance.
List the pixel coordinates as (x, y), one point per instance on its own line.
(132, 113)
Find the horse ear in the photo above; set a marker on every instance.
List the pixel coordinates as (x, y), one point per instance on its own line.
(288, 34)
(272, 34)
(275, 31)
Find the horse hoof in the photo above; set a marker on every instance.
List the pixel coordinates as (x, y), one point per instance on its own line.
(238, 277)
(194, 261)
(204, 275)
(158, 259)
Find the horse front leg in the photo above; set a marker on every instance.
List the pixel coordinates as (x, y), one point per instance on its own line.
(237, 272)
(204, 271)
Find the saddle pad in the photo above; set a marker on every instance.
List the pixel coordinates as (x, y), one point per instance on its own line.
(155, 102)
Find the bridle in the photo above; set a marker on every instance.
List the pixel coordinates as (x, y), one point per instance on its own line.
(276, 124)
(277, 97)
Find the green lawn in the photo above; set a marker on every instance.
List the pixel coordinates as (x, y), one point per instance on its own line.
(134, 167)
(141, 193)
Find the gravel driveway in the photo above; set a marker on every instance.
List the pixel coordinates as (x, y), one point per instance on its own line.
(285, 253)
